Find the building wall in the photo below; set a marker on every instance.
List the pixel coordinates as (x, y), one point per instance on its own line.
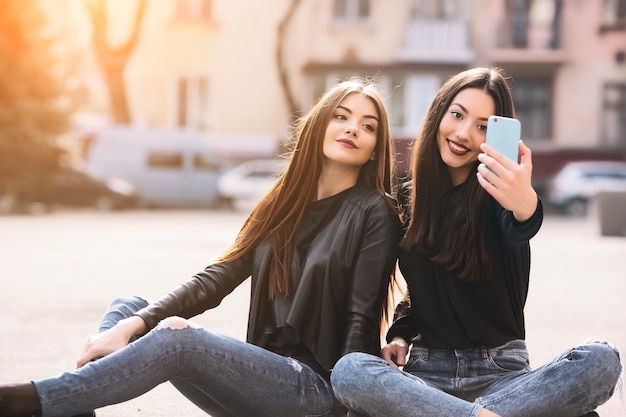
(235, 52)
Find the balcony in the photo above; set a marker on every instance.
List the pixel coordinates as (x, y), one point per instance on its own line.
(436, 41)
(526, 42)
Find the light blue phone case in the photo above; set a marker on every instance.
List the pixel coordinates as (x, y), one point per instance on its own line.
(504, 133)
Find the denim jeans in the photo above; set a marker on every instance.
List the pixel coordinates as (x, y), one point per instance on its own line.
(459, 383)
(221, 375)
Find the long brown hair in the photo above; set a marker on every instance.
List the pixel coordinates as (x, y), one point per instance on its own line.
(279, 212)
(458, 241)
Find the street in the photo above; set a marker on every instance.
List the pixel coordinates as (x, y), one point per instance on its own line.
(59, 271)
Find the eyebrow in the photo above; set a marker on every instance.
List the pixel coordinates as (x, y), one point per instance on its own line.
(369, 116)
(465, 110)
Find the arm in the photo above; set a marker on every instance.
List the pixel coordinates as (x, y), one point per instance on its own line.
(373, 266)
(202, 292)
(400, 334)
(205, 290)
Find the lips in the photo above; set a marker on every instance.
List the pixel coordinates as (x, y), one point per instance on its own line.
(347, 143)
(456, 148)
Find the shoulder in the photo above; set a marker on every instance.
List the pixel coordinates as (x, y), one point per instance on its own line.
(365, 197)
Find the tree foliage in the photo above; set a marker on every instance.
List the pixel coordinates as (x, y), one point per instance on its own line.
(34, 109)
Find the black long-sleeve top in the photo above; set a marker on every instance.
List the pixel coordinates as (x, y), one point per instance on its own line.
(447, 312)
(345, 249)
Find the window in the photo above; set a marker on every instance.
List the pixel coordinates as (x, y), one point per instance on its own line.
(613, 124)
(531, 24)
(436, 9)
(192, 103)
(205, 162)
(409, 98)
(533, 98)
(193, 9)
(165, 160)
(614, 15)
(352, 10)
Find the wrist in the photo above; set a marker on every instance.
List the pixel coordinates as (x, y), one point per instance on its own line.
(399, 341)
(133, 325)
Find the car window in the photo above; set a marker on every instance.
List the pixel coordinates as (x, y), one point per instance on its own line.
(205, 162)
(165, 160)
(261, 174)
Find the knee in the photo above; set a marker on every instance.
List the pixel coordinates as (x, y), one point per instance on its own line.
(351, 368)
(349, 365)
(604, 357)
(133, 303)
(175, 323)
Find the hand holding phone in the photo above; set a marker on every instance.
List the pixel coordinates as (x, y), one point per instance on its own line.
(503, 134)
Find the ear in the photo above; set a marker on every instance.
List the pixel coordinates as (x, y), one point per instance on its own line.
(373, 156)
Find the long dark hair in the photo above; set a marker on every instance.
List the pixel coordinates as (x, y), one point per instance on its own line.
(458, 240)
(279, 213)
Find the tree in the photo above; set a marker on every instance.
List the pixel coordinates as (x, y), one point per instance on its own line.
(34, 109)
(283, 73)
(114, 59)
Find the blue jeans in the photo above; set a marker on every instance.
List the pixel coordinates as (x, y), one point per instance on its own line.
(221, 375)
(459, 383)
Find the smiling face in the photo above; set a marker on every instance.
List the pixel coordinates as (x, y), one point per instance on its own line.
(350, 138)
(461, 131)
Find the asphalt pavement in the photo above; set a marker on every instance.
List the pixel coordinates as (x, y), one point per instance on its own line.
(58, 271)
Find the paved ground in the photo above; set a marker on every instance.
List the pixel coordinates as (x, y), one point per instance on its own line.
(58, 272)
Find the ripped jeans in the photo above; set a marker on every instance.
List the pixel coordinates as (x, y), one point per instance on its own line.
(459, 383)
(221, 375)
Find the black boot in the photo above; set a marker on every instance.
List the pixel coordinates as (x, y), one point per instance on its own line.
(19, 400)
(89, 414)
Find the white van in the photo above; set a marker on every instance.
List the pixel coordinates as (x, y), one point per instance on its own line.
(169, 167)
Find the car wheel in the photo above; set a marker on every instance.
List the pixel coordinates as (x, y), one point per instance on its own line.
(104, 203)
(576, 207)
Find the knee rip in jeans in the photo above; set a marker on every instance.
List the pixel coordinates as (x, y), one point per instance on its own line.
(297, 366)
(176, 323)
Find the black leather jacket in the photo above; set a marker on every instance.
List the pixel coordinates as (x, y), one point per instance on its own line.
(344, 253)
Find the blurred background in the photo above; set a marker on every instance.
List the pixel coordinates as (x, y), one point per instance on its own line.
(117, 107)
(135, 103)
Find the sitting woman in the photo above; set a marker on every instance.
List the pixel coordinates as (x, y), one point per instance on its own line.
(320, 247)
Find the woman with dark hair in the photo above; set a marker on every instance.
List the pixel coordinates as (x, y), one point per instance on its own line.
(466, 260)
(320, 249)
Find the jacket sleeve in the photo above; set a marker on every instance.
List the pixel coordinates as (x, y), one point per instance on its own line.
(202, 292)
(374, 263)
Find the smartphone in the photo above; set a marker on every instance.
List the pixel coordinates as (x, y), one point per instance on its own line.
(504, 133)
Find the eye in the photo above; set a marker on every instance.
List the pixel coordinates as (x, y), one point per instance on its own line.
(456, 114)
(340, 116)
(482, 128)
(369, 127)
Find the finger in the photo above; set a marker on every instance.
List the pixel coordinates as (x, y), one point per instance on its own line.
(525, 154)
(401, 359)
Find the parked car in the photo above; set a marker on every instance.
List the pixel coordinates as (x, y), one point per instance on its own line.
(577, 183)
(169, 167)
(77, 187)
(250, 181)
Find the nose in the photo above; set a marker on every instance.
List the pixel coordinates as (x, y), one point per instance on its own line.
(463, 131)
(350, 130)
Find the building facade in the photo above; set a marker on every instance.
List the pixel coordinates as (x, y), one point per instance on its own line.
(221, 66)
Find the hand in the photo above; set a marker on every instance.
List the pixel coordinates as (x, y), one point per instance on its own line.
(507, 181)
(111, 340)
(395, 352)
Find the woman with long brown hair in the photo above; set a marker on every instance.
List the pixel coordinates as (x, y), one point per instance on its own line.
(320, 249)
(466, 260)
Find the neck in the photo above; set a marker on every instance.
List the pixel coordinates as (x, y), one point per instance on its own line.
(335, 179)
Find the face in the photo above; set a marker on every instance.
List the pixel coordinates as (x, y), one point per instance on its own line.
(462, 130)
(350, 138)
